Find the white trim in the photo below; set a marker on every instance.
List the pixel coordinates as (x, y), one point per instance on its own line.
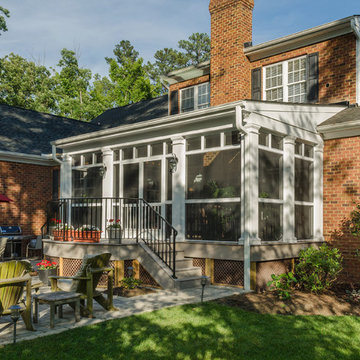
(212, 201)
(43, 160)
(187, 73)
(300, 39)
(355, 25)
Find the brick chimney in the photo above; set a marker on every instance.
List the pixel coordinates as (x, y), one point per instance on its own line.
(231, 27)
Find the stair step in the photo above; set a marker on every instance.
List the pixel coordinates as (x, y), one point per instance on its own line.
(188, 272)
(183, 263)
(188, 283)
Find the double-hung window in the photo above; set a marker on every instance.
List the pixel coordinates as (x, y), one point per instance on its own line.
(195, 97)
(286, 81)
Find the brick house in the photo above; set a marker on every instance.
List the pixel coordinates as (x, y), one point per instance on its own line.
(254, 161)
(28, 174)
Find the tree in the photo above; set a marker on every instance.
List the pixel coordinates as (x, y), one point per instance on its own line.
(196, 48)
(6, 13)
(193, 51)
(72, 87)
(131, 82)
(25, 84)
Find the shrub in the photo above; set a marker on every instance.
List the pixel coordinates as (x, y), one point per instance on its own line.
(317, 269)
(130, 283)
(282, 284)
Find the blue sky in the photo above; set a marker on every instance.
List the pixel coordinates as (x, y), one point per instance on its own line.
(39, 29)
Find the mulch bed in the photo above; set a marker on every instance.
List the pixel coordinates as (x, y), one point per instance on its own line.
(335, 302)
(120, 291)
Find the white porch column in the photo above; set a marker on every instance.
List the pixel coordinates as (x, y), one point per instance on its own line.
(178, 189)
(107, 187)
(66, 177)
(250, 195)
(318, 191)
(250, 188)
(289, 190)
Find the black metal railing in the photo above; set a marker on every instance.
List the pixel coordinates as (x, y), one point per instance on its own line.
(93, 219)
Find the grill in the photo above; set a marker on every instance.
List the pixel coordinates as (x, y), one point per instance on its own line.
(16, 241)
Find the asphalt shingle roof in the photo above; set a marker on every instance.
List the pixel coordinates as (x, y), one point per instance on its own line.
(30, 132)
(349, 114)
(134, 113)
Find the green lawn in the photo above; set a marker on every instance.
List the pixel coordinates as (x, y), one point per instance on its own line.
(207, 331)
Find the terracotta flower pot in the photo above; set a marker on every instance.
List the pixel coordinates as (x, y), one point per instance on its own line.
(87, 236)
(63, 235)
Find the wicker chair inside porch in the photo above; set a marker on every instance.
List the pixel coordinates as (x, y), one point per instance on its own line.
(14, 277)
(85, 282)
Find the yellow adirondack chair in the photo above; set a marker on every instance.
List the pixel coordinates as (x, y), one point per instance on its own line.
(14, 277)
(86, 281)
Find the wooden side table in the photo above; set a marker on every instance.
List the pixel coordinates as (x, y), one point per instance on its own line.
(54, 299)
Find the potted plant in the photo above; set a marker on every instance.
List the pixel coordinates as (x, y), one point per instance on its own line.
(87, 233)
(114, 230)
(63, 232)
(46, 268)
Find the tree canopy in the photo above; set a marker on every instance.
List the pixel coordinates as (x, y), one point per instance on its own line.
(72, 91)
(3, 13)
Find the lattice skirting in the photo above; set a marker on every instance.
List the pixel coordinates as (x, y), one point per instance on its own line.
(265, 269)
(229, 272)
(71, 266)
(147, 279)
(197, 262)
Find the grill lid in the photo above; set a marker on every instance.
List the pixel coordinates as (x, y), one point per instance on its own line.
(10, 230)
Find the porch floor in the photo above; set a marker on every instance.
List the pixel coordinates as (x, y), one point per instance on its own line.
(127, 307)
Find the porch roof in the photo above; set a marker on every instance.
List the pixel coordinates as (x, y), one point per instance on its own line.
(278, 117)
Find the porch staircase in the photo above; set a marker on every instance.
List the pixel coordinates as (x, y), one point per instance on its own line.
(143, 224)
(187, 275)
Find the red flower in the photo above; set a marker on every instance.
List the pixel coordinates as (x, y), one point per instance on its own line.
(111, 220)
(118, 220)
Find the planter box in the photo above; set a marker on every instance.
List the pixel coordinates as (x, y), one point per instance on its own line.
(87, 236)
(63, 235)
(44, 275)
(114, 236)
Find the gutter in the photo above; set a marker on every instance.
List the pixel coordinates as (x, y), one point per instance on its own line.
(23, 158)
(300, 39)
(355, 25)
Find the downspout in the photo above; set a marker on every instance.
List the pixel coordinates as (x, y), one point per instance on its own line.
(239, 117)
(355, 25)
(65, 174)
(54, 155)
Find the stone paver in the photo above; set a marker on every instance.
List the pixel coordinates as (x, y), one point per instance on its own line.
(126, 307)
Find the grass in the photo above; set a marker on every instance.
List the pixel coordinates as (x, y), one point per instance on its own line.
(208, 331)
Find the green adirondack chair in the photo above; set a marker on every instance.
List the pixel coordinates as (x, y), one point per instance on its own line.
(86, 281)
(14, 277)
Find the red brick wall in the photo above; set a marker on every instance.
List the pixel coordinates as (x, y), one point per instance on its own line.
(341, 191)
(231, 27)
(337, 67)
(188, 83)
(30, 186)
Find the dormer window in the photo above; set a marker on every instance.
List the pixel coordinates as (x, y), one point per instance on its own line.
(195, 97)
